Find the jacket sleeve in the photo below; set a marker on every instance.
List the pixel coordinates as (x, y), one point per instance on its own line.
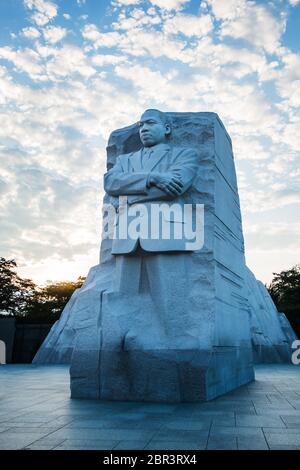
(153, 194)
(185, 166)
(120, 183)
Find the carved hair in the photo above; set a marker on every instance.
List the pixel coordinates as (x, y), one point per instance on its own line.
(162, 116)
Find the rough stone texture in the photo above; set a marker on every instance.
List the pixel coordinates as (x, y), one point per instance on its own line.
(78, 314)
(109, 363)
(287, 329)
(272, 335)
(271, 332)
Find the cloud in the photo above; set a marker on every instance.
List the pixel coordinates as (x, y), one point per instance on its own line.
(291, 134)
(31, 33)
(91, 32)
(137, 19)
(62, 96)
(262, 200)
(170, 4)
(228, 10)
(44, 11)
(189, 25)
(51, 176)
(143, 79)
(250, 149)
(125, 3)
(288, 80)
(60, 62)
(271, 248)
(137, 42)
(54, 34)
(67, 61)
(26, 60)
(252, 22)
(273, 235)
(140, 40)
(48, 208)
(100, 60)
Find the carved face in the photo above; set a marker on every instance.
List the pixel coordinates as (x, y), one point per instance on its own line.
(152, 129)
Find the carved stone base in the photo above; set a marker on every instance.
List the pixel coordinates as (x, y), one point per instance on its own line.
(161, 375)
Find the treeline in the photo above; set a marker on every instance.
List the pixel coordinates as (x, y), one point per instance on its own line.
(23, 299)
(285, 292)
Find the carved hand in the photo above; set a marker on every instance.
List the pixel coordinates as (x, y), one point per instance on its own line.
(170, 183)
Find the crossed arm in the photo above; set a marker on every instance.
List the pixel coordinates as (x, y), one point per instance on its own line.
(145, 186)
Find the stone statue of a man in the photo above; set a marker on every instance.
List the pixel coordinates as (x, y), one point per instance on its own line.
(157, 174)
(163, 319)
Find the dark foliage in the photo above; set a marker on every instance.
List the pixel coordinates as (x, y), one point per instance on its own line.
(285, 292)
(24, 300)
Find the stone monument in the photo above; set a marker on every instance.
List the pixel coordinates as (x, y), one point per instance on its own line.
(163, 319)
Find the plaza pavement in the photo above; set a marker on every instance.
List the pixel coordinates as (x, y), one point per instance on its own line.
(36, 412)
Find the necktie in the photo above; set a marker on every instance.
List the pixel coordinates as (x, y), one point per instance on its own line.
(148, 153)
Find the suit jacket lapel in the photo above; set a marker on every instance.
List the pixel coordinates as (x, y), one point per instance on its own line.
(154, 160)
(135, 160)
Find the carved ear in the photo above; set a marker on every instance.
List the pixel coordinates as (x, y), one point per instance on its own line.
(168, 129)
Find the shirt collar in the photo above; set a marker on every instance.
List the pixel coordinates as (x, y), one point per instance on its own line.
(160, 147)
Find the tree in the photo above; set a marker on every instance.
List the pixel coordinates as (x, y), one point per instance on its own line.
(285, 292)
(49, 301)
(21, 298)
(15, 292)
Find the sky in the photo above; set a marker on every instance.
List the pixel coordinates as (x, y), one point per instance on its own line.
(72, 71)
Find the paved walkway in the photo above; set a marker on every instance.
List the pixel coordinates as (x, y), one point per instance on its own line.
(37, 413)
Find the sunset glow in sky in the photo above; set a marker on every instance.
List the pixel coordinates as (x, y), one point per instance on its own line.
(71, 71)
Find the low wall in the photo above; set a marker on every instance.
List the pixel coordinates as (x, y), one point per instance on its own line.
(7, 335)
(28, 339)
(22, 340)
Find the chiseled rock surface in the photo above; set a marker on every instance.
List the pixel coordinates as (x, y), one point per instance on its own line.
(81, 311)
(271, 332)
(272, 335)
(287, 329)
(114, 347)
